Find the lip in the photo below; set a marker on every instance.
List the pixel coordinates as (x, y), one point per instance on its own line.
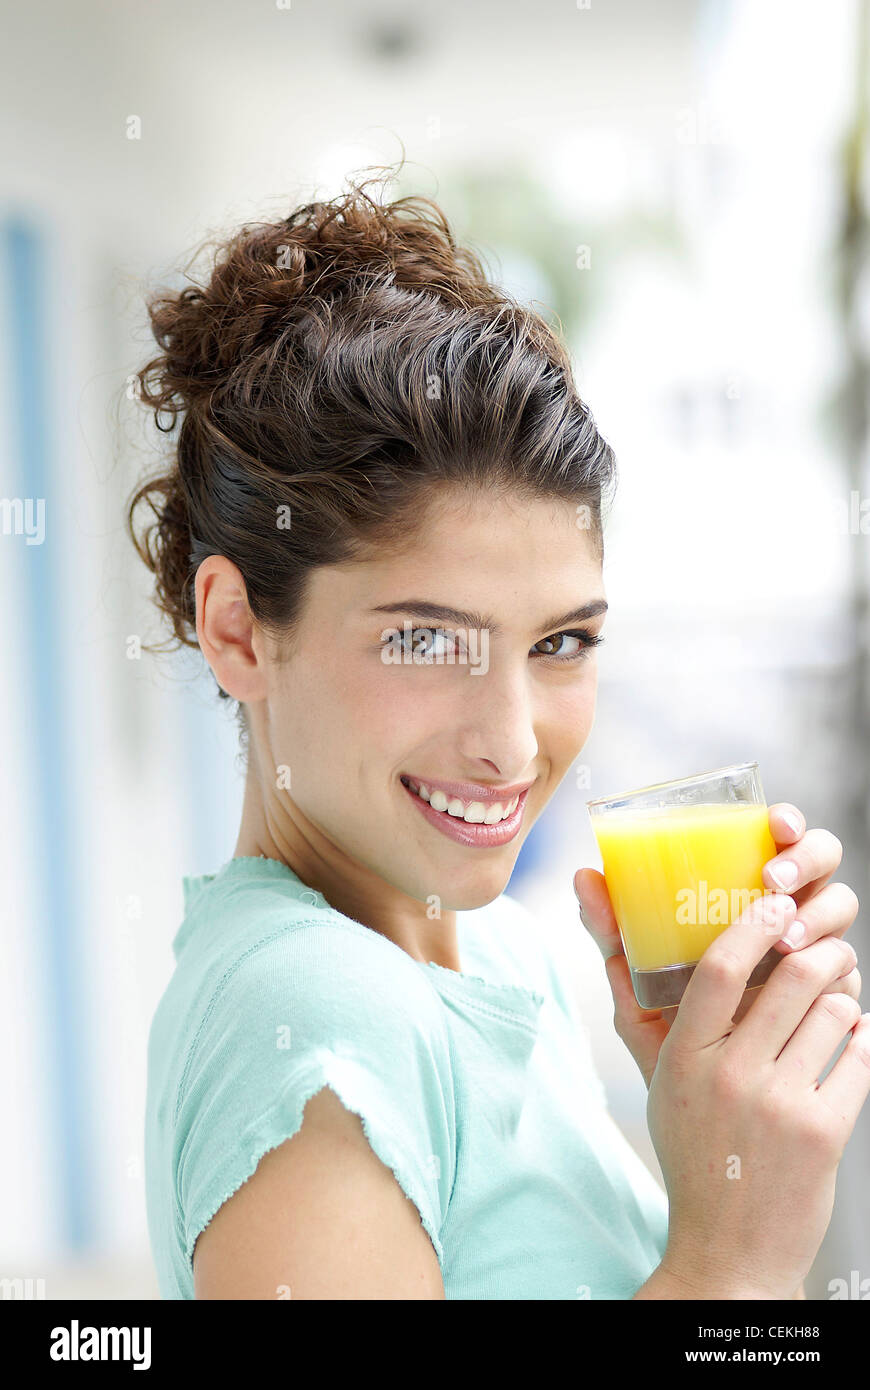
(463, 832)
(470, 791)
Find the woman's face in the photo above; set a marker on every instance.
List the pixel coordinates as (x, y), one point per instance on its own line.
(364, 705)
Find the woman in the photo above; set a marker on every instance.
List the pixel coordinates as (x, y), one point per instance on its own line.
(368, 1077)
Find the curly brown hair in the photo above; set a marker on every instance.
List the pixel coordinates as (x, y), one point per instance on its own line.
(336, 367)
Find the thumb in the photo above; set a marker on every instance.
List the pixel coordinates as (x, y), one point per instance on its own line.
(596, 911)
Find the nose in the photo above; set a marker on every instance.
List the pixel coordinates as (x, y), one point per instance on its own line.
(496, 726)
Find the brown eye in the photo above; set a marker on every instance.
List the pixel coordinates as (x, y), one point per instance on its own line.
(555, 645)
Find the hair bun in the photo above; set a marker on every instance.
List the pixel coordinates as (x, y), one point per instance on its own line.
(269, 275)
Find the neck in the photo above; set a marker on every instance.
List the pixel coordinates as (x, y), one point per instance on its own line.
(272, 825)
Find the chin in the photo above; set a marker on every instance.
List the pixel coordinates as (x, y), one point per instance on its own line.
(484, 885)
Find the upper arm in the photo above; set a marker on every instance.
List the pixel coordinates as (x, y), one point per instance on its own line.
(321, 1218)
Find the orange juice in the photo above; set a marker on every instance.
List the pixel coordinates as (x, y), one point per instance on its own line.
(678, 875)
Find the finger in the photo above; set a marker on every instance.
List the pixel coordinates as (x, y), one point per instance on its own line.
(848, 983)
(717, 983)
(627, 1010)
(830, 912)
(786, 822)
(809, 890)
(815, 856)
(812, 1044)
(642, 1030)
(596, 911)
(787, 996)
(846, 1086)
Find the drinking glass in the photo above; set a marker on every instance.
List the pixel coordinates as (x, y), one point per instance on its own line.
(682, 860)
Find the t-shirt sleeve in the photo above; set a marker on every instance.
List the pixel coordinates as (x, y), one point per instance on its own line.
(316, 1005)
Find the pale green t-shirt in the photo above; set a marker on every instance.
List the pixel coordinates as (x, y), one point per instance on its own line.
(477, 1088)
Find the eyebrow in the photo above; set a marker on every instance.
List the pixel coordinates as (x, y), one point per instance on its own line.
(458, 617)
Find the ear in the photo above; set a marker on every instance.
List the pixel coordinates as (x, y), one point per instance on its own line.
(226, 632)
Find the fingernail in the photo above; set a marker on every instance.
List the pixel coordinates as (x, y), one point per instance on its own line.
(792, 821)
(795, 934)
(784, 875)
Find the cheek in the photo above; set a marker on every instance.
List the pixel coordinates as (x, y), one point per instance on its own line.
(349, 716)
(390, 709)
(567, 718)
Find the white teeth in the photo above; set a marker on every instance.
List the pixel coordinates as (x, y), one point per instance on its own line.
(475, 813)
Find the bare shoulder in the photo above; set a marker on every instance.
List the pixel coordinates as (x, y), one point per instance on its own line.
(320, 1218)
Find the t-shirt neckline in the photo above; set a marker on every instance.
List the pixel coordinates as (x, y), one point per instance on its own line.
(514, 998)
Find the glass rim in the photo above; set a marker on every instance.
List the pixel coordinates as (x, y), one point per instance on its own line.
(673, 782)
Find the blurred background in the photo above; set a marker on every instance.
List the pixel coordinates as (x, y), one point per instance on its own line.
(685, 187)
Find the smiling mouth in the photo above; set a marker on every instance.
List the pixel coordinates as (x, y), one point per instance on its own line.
(481, 812)
(476, 833)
